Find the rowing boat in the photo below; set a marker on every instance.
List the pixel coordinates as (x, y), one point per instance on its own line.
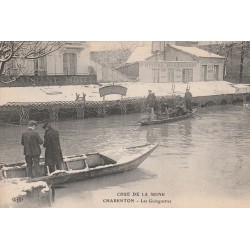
(165, 119)
(85, 166)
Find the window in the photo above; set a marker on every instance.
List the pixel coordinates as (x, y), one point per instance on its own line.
(69, 64)
(187, 75)
(204, 73)
(156, 75)
(170, 75)
(216, 72)
(41, 65)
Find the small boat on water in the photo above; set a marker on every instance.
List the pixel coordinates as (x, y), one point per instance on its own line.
(85, 166)
(164, 119)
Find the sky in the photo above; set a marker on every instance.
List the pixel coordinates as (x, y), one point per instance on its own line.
(109, 45)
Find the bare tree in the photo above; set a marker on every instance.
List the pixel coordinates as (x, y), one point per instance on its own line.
(132, 45)
(244, 50)
(18, 54)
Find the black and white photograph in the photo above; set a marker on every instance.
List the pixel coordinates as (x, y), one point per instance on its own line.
(131, 124)
(124, 124)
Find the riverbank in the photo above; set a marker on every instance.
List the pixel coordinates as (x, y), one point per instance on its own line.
(19, 105)
(134, 89)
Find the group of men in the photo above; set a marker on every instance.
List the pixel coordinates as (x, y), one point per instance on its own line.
(31, 142)
(185, 107)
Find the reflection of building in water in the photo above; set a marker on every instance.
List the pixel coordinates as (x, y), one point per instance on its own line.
(175, 62)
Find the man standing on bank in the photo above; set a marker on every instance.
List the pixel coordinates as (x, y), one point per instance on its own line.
(53, 152)
(188, 100)
(31, 142)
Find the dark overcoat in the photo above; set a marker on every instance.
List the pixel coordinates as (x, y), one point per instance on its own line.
(31, 142)
(151, 100)
(53, 152)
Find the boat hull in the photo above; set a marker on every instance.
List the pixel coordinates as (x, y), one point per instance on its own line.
(62, 177)
(166, 120)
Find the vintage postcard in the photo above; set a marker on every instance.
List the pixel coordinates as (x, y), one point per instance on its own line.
(162, 124)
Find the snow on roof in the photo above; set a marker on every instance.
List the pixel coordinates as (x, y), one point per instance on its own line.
(196, 51)
(140, 54)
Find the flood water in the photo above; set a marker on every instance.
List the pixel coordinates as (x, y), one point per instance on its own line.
(198, 163)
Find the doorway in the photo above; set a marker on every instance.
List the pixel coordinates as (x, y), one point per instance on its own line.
(156, 75)
(187, 75)
(204, 73)
(170, 75)
(216, 72)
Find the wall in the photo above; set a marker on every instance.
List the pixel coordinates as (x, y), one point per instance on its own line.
(130, 70)
(106, 74)
(55, 61)
(83, 62)
(55, 64)
(210, 62)
(148, 71)
(172, 54)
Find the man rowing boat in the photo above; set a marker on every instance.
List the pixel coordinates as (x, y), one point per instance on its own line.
(188, 99)
(151, 103)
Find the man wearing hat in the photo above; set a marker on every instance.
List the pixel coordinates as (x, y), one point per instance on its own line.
(151, 104)
(188, 99)
(53, 152)
(31, 142)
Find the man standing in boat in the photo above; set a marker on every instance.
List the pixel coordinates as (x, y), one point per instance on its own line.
(53, 152)
(188, 100)
(151, 104)
(31, 142)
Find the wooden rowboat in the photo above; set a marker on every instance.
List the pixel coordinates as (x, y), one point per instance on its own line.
(82, 167)
(163, 119)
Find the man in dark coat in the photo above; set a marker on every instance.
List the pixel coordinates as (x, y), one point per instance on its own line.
(31, 142)
(188, 99)
(151, 102)
(53, 152)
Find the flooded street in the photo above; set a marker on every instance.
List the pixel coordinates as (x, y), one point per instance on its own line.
(198, 163)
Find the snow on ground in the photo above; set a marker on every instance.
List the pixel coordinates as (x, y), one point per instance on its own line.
(16, 187)
(135, 89)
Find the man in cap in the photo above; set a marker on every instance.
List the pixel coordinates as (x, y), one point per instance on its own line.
(151, 104)
(53, 152)
(188, 99)
(31, 142)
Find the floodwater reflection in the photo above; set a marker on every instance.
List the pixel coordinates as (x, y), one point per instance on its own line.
(198, 163)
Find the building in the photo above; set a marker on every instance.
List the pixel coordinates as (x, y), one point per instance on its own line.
(111, 58)
(70, 64)
(73, 58)
(168, 62)
(104, 64)
(237, 55)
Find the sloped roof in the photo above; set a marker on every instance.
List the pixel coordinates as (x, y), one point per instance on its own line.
(140, 54)
(196, 51)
